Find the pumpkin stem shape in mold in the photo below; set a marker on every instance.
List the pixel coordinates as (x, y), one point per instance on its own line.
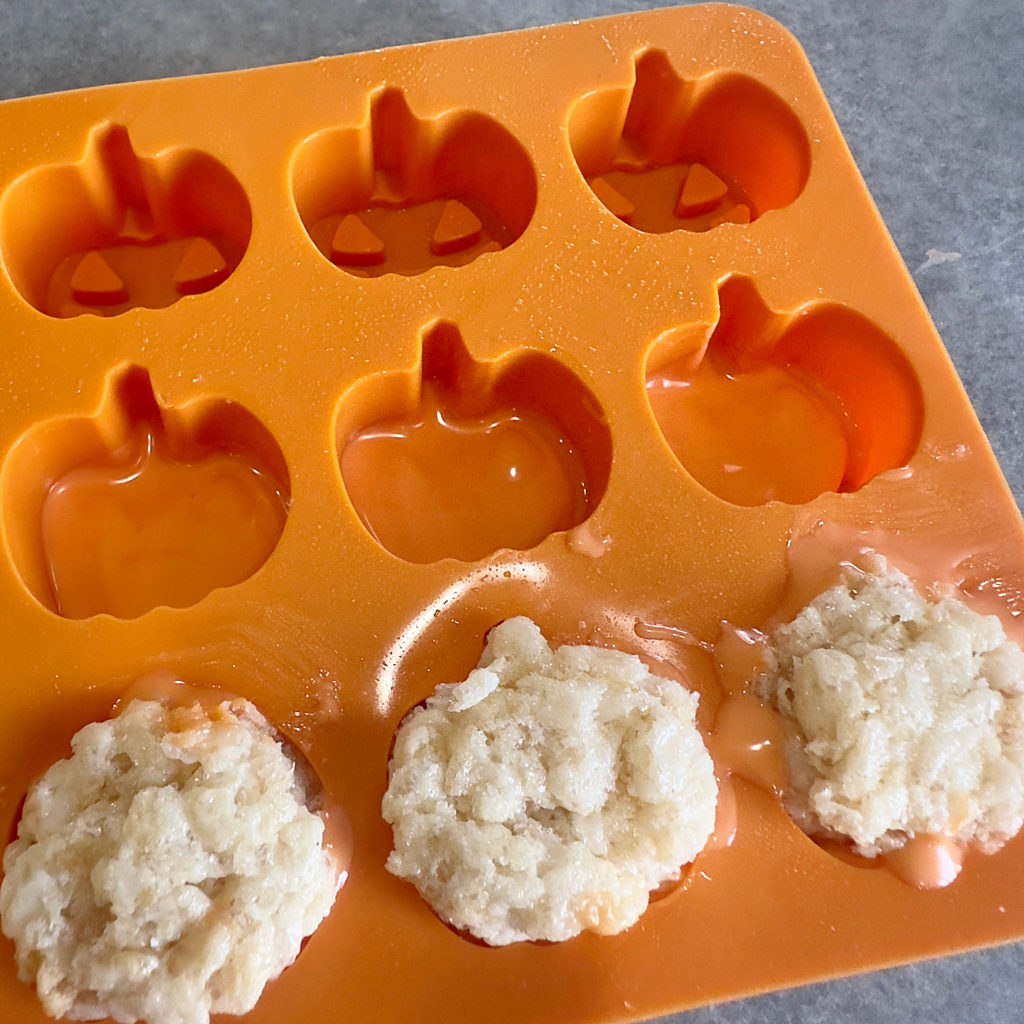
(785, 407)
(117, 230)
(459, 459)
(401, 195)
(669, 154)
(142, 506)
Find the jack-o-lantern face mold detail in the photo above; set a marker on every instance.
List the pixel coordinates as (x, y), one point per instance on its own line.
(401, 194)
(142, 505)
(671, 154)
(459, 458)
(118, 230)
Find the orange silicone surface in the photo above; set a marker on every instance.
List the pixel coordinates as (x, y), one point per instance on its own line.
(312, 374)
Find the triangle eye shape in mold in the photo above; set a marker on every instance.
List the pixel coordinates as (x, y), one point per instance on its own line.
(142, 505)
(667, 154)
(401, 195)
(118, 230)
(459, 458)
(784, 407)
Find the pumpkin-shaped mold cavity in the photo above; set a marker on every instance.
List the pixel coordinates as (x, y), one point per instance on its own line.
(141, 505)
(458, 458)
(399, 194)
(667, 153)
(784, 407)
(118, 230)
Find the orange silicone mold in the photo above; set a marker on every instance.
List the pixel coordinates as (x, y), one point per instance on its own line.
(299, 405)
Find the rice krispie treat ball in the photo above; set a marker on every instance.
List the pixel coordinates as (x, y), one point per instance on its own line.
(550, 792)
(167, 870)
(905, 716)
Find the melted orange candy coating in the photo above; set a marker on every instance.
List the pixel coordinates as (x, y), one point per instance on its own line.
(463, 487)
(754, 437)
(133, 533)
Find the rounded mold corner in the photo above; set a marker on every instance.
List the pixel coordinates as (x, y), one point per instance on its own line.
(401, 194)
(459, 459)
(119, 230)
(668, 154)
(925, 862)
(784, 406)
(141, 505)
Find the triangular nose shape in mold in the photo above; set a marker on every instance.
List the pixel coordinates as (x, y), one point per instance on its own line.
(702, 191)
(202, 267)
(94, 282)
(458, 228)
(355, 245)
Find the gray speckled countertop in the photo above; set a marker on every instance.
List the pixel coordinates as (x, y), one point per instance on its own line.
(930, 97)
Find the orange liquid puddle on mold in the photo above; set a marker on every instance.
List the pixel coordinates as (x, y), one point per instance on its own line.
(166, 688)
(142, 529)
(937, 564)
(586, 540)
(748, 737)
(739, 654)
(748, 741)
(927, 862)
(753, 437)
(464, 487)
(727, 819)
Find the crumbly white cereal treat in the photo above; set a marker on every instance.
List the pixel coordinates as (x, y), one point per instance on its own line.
(550, 792)
(904, 715)
(167, 869)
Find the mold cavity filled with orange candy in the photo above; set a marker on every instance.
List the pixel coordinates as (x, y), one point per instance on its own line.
(475, 456)
(777, 407)
(118, 230)
(401, 194)
(142, 506)
(668, 154)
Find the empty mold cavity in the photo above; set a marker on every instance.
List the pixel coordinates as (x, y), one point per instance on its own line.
(400, 195)
(118, 230)
(668, 153)
(142, 505)
(785, 407)
(458, 458)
